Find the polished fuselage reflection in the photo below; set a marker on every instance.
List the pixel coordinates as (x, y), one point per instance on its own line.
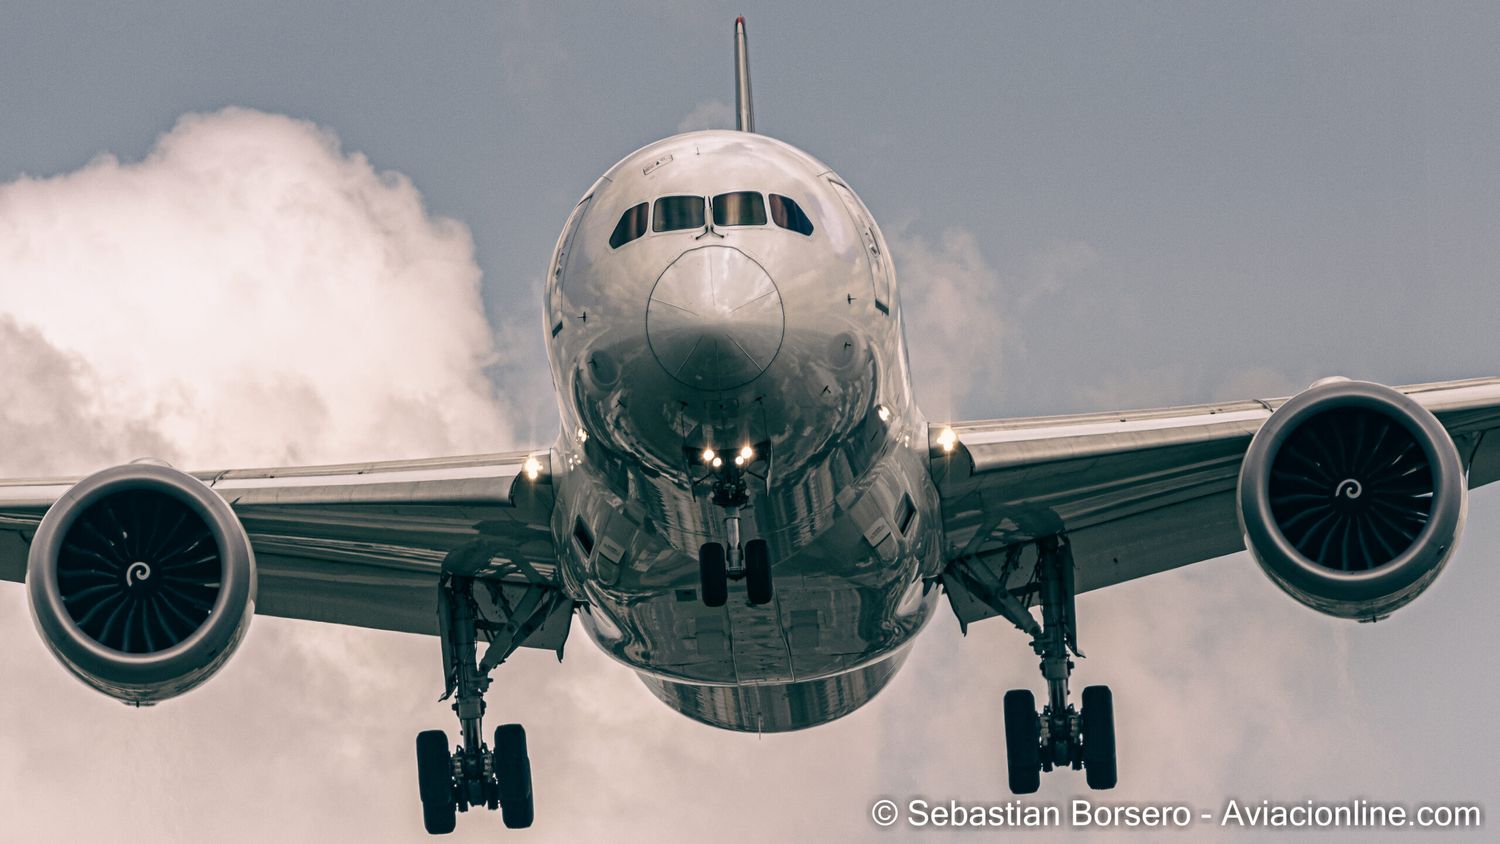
(714, 291)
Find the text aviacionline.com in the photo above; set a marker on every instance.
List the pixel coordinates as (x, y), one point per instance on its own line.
(922, 813)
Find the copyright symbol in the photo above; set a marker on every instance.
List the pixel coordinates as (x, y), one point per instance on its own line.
(884, 812)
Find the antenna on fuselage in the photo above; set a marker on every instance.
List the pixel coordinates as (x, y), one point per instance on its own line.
(744, 113)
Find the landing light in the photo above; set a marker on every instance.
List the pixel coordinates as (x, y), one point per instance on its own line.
(583, 436)
(533, 468)
(747, 452)
(708, 455)
(947, 439)
(883, 412)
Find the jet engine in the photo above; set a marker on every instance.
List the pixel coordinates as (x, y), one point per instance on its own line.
(1351, 498)
(141, 581)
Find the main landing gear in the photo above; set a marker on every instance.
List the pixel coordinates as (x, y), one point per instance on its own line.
(452, 780)
(719, 563)
(1060, 736)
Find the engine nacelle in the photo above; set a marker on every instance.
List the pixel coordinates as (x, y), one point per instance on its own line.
(141, 581)
(1352, 498)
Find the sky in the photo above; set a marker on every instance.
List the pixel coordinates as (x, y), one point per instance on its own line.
(270, 233)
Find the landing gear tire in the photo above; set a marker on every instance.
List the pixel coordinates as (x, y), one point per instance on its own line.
(435, 782)
(473, 774)
(713, 574)
(1023, 738)
(439, 820)
(513, 772)
(1098, 728)
(758, 571)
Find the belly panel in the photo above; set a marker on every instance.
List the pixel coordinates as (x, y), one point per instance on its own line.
(777, 707)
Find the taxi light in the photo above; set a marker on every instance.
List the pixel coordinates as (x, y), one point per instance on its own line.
(717, 462)
(947, 439)
(708, 455)
(739, 460)
(747, 452)
(533, 468)
(883, 412)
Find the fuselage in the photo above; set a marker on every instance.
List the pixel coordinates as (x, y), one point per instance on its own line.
(723, 293)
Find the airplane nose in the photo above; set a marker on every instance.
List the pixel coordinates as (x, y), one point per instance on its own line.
(715, 320)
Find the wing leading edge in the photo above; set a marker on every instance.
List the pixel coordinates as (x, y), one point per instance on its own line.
(1136, 492)
(366, 544)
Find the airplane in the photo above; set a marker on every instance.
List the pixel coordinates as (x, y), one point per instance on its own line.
(744, 504)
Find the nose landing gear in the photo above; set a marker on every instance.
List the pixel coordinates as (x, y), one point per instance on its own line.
(715, 573)
(719, 563)
(758, 571)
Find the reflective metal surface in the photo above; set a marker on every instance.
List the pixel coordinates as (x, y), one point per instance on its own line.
(715, 320)
(721, 337)
(778, 707)
(744, 111)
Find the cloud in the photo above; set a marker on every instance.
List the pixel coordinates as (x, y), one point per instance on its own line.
(709, 114)
(247, 292)
(49, 420)
(252, 293)
(947, 285)
(951, 290)
(1055, 268)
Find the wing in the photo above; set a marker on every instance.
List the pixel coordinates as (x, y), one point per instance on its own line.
(1137, 492)
(365, 544)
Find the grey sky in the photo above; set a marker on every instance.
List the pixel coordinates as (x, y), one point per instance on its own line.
(1090, 206)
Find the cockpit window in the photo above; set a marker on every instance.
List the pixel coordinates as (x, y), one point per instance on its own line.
(631, 226)
(788, 215)
(678, 212)
(743, 208)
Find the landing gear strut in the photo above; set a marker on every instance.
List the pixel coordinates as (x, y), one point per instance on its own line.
(733, 560)
(473, 773)
(1061, 735)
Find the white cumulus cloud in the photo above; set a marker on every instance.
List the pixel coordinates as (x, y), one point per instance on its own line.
(247, 292)
(964, 317)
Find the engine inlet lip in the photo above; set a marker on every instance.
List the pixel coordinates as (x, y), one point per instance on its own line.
(1261, 531)
(80, 650)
